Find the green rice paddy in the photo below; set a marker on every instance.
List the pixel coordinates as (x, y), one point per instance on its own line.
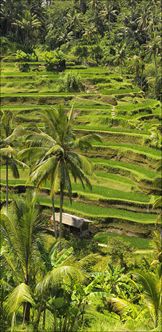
(100, 213)
(136, 242)
(106, 94)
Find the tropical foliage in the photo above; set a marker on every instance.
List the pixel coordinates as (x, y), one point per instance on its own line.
(80, 164)
(95, 32)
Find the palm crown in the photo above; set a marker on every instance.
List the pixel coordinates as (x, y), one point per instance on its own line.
(56, 156)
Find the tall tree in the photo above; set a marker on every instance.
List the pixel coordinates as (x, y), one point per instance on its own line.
(28, 25)
(21, 226)
(33, 272)
(58, 158)
(8, 152)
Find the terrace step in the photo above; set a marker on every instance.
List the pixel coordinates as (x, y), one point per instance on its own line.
(136, 149)
(100, 213)
(139, 171)
(112, 199)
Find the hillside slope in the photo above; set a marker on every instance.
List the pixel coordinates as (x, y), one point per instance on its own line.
(111, 105)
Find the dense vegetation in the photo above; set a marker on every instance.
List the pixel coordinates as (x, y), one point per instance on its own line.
(81, 134)
(122, 33)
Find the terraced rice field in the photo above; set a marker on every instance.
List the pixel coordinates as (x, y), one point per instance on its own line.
(111, 106)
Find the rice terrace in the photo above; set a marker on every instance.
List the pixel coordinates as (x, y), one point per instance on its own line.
(81, 237)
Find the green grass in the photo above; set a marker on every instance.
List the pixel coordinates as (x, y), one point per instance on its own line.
(93, 111)
(26, 107)
(119, 91)
(144, 150)
(113, 194)
(136, 242)
(113, 181)
(145, 104)
(33, 95)
(98, 192)
(115, 131)
(17, 74)
(141, 172)
(95, 212)
(157, 111)
(114, 177)
(16, 182)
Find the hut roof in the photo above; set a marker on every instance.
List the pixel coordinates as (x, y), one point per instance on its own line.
(71, 220)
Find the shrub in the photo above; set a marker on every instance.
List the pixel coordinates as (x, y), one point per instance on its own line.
(7, 47)
(70, 83)
(81, 52)
(55, 61)
(97, 53)
(158, 88)
(22, 56)
(23, 59)
(24, 67)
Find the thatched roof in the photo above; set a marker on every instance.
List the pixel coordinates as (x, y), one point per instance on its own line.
(71, 220)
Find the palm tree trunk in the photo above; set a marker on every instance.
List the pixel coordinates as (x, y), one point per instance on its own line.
(26, 315)
(156, 317)
(61, 206)
(44, 319)
(156, 66)
(109, 24)
(36, 323)
(7, 184)
(27, 305)
(53, 215)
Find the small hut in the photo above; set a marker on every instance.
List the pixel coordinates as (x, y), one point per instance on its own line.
(73, 222)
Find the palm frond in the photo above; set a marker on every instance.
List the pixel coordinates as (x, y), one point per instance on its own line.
(55, 179)
(10, 261)
(31, 154)
(7, 152)
(157, 202)
(12, 233)
(43, 170)
(77, 172)
(89, 260)
(54, 150)
(20, 163)
(41, 138)
(59, 258)
(17, 132)
(71, 114)
(119, 305)
(60, 276)
(18, 296)
(151, 284)
(21, 225)
(85, 141)
(14, 169)
(85, 164)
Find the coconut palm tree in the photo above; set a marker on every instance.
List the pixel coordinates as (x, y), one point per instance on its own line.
(32, 270)
(21, 226)
(63, 271)
(8, 13)
(8, 153)
(28, 24)
(154, 47)
(120, 55)
(56, 157)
